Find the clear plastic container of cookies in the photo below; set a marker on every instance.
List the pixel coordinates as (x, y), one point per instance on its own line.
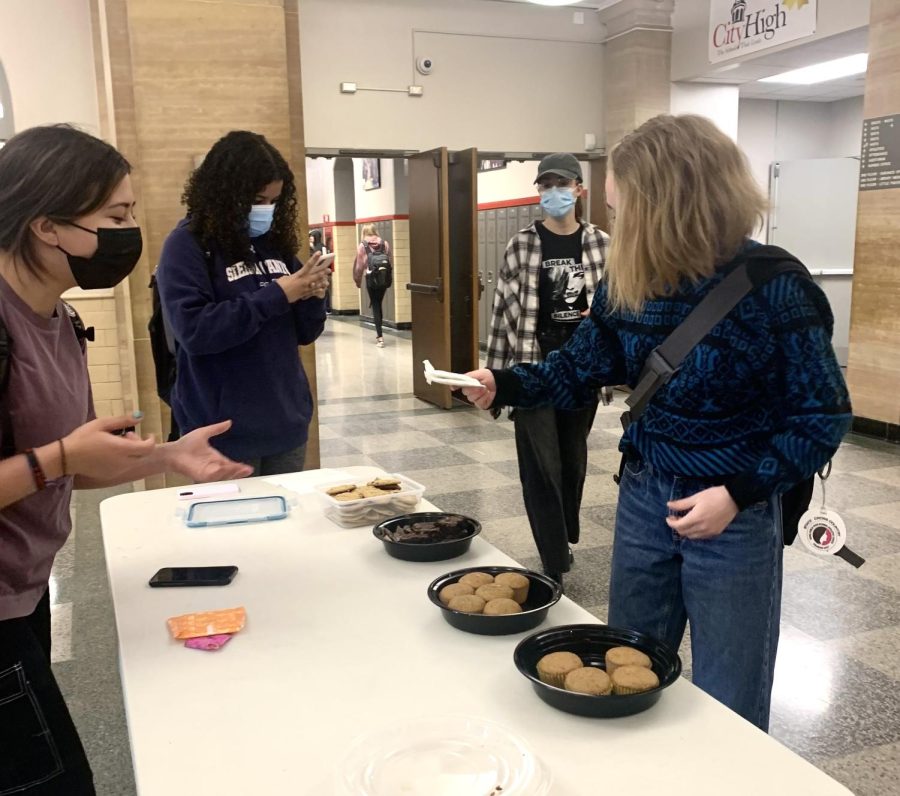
(378, 499)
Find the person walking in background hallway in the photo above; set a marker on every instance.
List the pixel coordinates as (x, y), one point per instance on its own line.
(373, 261)
(317, 245)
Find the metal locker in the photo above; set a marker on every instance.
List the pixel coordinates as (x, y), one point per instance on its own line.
(492, 253)
(486, 296)
(524, 216)
(512, 223)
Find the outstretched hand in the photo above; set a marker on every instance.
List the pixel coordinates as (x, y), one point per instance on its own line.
(195, 458)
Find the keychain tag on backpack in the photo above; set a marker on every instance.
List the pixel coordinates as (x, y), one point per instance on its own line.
(823, 532)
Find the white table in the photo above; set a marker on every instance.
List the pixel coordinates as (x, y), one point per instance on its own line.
(341, 639)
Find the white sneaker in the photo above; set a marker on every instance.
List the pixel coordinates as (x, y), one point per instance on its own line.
(379, 342)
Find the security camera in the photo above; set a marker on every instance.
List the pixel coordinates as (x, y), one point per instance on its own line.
(425, 65)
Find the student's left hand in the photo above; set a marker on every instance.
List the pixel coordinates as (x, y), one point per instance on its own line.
(195, 458)
(708, 513)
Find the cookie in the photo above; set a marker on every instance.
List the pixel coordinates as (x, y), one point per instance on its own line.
(370, 491)
(387, 484)
(339, 490)
(355, 494)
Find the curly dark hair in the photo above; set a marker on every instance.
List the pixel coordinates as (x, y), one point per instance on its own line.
(220, 192)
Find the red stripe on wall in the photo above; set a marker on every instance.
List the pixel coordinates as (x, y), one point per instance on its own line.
(528, 200)
(524, 202)
(373, 219)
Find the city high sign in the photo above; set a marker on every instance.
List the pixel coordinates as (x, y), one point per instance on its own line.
(741, 27)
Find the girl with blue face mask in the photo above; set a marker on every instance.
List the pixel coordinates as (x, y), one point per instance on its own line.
(544, 288)
(238, 303)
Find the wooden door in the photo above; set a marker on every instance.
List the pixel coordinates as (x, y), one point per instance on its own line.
(429, 285)
(464, 282)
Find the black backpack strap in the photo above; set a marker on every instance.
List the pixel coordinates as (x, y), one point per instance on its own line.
(82, 332)
(760, 265)
(665, 360)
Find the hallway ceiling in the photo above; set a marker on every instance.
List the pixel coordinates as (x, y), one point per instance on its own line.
(747, 73)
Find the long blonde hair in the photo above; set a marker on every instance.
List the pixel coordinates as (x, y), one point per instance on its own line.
(685, 201)
(368, 231)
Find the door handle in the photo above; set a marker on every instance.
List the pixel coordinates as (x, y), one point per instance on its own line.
(428, 290)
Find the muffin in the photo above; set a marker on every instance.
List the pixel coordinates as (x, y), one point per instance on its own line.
(454, 590)
(476, 579)
(501, 606)
(517, 582)
(625, 656)
(553, 668)
(633, 680)
(494, 591)
(588, 680)
(468, 604)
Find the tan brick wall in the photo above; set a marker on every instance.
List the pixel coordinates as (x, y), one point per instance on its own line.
(104, 353)
(402, 303)
(344, 293)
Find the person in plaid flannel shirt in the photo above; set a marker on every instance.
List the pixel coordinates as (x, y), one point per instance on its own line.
(550, 273)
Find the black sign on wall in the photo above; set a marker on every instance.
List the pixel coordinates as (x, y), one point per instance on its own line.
(880, 163)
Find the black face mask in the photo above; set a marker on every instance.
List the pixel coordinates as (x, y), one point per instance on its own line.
(118, 252)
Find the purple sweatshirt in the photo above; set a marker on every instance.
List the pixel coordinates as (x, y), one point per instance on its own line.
(49, 395)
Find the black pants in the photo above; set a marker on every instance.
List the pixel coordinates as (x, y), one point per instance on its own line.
(376, 298)
(40, 751)
(552, 449)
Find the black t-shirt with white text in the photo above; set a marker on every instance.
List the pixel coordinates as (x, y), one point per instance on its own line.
(561, 291)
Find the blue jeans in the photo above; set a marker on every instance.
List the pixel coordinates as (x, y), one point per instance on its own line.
(728, 587)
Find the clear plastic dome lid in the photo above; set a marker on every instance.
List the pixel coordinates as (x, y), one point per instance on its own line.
(444, 756)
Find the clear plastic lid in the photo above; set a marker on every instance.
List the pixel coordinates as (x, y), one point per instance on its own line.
(445, 756)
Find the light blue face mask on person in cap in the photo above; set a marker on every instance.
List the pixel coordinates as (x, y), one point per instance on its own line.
(558, 202)
(259, 221)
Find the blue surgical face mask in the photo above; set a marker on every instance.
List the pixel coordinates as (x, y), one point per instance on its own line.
(558, 202)
(259, 222)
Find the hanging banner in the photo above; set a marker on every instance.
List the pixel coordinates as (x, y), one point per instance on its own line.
(742, 27)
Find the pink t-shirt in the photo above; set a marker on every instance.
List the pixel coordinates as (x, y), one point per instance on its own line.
(48, 396)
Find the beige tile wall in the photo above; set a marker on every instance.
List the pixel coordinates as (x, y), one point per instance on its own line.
(403, 308)
(104, 355)
(344, 293)
(873, 371)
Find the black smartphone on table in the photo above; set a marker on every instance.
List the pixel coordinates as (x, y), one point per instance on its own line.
(193, 576)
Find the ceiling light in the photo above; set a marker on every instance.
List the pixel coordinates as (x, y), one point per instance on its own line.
(555, 2)
(819, 73)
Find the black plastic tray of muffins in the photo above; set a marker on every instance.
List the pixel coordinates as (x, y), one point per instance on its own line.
(543, 594)
(590, 643)
(427, 551)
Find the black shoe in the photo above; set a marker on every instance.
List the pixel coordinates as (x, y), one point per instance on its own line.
(571, 556)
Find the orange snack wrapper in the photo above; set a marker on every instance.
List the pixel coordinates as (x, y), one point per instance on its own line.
(207, 623)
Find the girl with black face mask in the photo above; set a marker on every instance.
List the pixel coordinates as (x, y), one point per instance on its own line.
(66, 219)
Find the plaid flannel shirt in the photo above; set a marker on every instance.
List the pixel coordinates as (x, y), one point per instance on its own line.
(513, 339)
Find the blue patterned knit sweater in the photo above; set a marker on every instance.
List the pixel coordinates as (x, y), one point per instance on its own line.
(759, 405)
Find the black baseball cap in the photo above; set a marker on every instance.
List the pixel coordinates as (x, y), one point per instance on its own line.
(562, 164)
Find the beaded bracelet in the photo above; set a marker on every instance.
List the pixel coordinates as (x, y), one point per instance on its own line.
(37, 472)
